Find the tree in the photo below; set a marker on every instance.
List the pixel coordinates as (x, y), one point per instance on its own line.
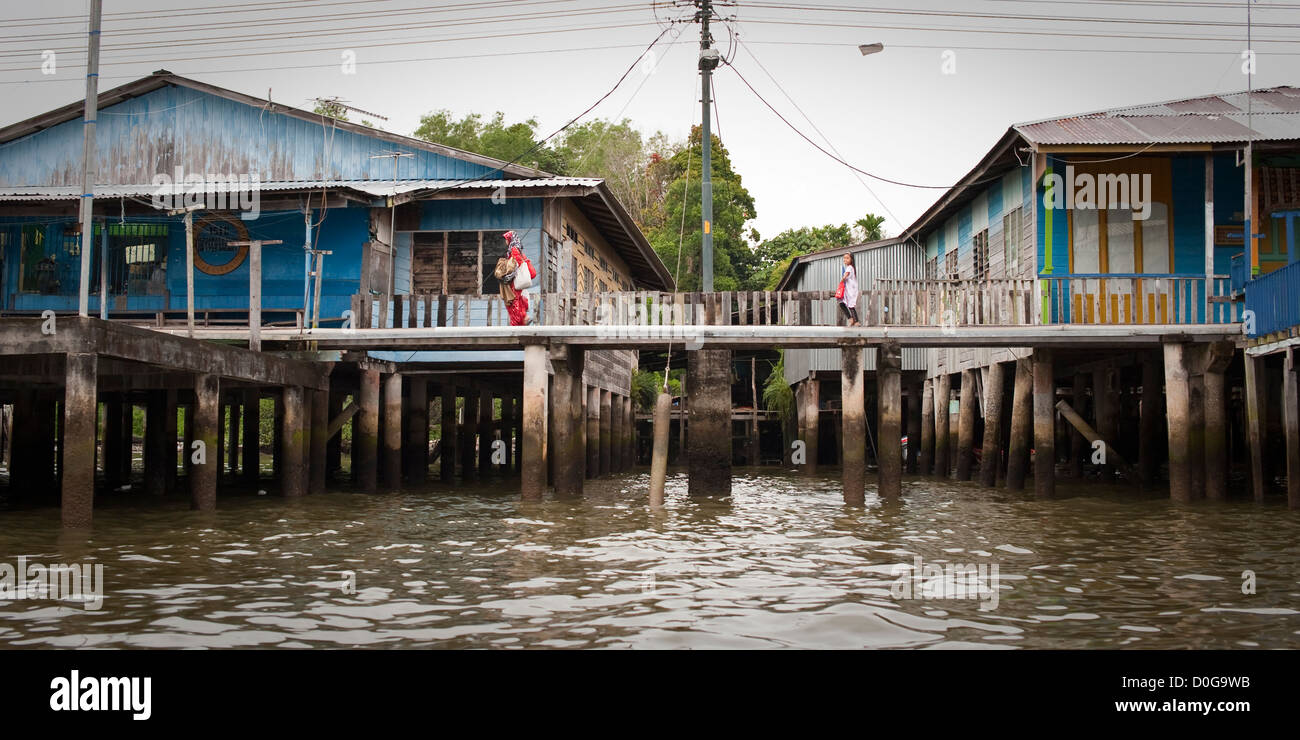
(775, 255)
(514, 142)
(869, 228)
(633, 166)
(733, 208)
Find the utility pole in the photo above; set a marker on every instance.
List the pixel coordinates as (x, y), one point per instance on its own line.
(708, 62)
(88, 154)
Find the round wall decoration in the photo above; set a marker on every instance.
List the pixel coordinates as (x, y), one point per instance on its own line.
(213, 254)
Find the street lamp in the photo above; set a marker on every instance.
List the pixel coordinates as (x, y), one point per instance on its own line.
(871, 48)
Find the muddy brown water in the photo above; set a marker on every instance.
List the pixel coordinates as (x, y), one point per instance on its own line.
(781, 563)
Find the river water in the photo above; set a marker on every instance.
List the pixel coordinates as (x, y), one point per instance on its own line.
(781, 563)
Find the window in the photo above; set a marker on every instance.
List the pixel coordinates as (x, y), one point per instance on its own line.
(932, 268)
(950, 265)
(604, 266)
(1011, 243)
(981, 255)
(603, 288)
(588, 280)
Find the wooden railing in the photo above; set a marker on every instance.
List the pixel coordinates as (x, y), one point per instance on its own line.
(1073, 299)
(1275, 299)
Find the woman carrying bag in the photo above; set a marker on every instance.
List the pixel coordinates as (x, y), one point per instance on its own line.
(516, 274)
(847, 292)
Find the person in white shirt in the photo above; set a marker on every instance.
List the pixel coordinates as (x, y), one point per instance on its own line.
(849, 294)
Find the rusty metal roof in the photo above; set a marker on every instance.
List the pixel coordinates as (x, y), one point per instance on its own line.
(377, 188)
(1271, 114)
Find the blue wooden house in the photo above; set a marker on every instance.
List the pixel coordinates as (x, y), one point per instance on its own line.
(395, 215)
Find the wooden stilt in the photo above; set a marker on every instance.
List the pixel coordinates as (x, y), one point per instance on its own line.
(203, 469)
(365, 432)
(392, 454)
(293, 481)
(913, 427)
(448, 437)
(854, 423)
(417, 430)
(79, 414)
(942, 427)
(1218, 357)
(1178, 413)
(966, 425)
(1022, 415)
(533, 457)
(320, 422)
(991, 455)
(567, 420)
(1044, 424)
(925, 456)
(1291, 417)
(889, 367)
(1256, 407)
(593, 432)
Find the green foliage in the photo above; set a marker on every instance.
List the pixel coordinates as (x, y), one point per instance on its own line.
(777, 396)
(733, 208)
(331, 108)
(646, 385)
(773, 256)
(492, 138)
(636, 168)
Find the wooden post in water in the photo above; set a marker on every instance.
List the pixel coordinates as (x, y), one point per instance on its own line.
(616, 445)
(156, 445)
(889, 375)
(966, 426)
(1021, 426)
(1195, 360)
(533, 462)
(854, 423)
(1150, 416)
(203, 476)
(1178, 413)
(486, 437)
(1256, 407)
(567, 419)
(629, 433)
(417, 430)
(80, 379)
(1105, 393)
(659, 454)
(1218, 357)
(252, 453)
(925, 457)
(469, 434)
(392, 454)
(292, 479)
(593, 432)
(1078, 445)
(1291, 417)
(812, 422)
(320, 422)
(1044, 424)
(913, 427)
(942, 426)
(365, 431)
(447, 438)
(991, 456)
(606, 429)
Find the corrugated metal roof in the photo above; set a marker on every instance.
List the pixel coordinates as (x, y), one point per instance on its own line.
(1274, 115)
(377, 188)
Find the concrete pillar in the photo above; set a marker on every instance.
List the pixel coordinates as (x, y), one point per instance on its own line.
(1291, 418)
(991, 456)
(1256, 408)
(417, 430)
(232, 436)
(925, 455)
(1078, 445)
(1151, 415)
(485, 430)
(159, 451)
(616, 443)
(252, 436)
(606, 432)
(593, 432)
(469, 434)
(811, 419)
(1021, 425)
(1196, 427)
(533, 462)
(203, 471)
(966, 426)
(1218, 357)
(942, 426)
(447, 441)
(79, 422)
(853, 416)
(318, 460)
(392, 455)
(1178, 414)
(277, 435)
(629, 425)
(365, 432)
(709, 457)
(1044, 424)
(913, 428)
(508, 430)
(293, 480)
(567, 419)
(114, 442)
(889, 374)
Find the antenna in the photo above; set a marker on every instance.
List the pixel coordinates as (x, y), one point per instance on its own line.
(340, 104)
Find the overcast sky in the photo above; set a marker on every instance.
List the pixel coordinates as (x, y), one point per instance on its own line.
(897, 114)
